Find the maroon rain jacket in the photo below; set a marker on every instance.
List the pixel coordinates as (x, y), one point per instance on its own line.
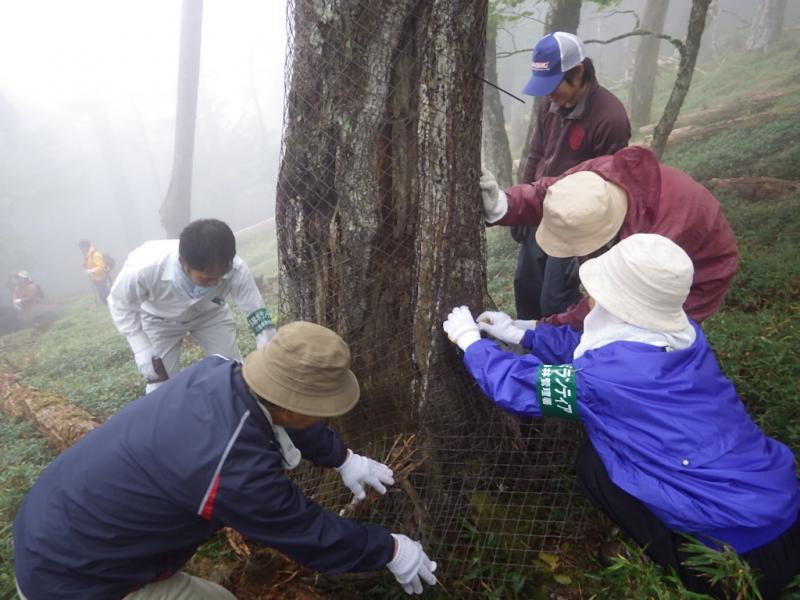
(661, 200)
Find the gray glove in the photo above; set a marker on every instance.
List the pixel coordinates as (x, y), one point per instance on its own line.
(495, 203)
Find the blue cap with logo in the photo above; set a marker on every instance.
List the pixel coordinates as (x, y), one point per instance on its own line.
(554, 55)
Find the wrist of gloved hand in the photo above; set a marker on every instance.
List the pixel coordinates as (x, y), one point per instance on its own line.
(500, 326)
(525, 323)
(461, 328)
(495, 202)
(410, 565)
(264, 337)
(144, 362)
(359, 471)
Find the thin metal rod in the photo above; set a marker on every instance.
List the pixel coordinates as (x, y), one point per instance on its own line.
(501, 89)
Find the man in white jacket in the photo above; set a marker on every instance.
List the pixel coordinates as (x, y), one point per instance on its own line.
(168, 288)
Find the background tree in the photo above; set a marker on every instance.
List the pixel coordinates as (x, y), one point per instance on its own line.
(379, 227)
(645, 67)
(767, 25)
(496, 149)
(694, 34)
(175, 211)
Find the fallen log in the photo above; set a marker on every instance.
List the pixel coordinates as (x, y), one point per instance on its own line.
(689, 132)
(59, 421)
(755, 104)
(756, 188)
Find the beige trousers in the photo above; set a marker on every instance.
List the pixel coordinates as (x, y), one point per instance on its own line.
(180, 586)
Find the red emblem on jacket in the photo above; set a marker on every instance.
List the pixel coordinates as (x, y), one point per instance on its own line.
(576, 134)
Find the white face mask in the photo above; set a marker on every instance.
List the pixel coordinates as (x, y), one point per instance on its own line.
(186, 284)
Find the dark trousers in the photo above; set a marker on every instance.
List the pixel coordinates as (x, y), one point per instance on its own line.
(777, 562)
(543, 285)
(101, 288)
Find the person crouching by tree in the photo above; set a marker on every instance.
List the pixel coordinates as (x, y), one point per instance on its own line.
(170, 288)
(671, 448)
(118, 514)
(94, 263)
(26, 293)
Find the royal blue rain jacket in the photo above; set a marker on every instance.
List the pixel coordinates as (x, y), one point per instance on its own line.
(668, 426)
(132, 501)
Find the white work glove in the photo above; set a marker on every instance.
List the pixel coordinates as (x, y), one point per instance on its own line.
(495, 203)
(502, 327)
(461, 328)
(264, 337)
(358, 471)
(144, 362)
(143, 354)
(410, 564)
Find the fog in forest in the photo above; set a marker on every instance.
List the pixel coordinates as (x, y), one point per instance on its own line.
(88, 101)
(87, 123)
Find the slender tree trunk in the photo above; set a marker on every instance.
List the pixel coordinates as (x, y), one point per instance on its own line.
(378, 219)
(645, 66)
(697, 23)
(175, 211)
(496, 150)
(767, 25)
(563, 15)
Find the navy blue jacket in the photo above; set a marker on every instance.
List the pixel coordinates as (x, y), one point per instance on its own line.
(668, 426)
(132, 501)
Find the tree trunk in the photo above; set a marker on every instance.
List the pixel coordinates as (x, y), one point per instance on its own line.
(378, 219)
(563, 15)
(496, 150)
(176, 210)
(645, 67)
(767, 25)
(697, 23)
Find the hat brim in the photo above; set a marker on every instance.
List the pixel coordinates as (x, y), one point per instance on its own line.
(329, 404)
(542, 85)
(613, 295)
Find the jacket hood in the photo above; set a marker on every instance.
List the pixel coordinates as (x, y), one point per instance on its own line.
(636, 170)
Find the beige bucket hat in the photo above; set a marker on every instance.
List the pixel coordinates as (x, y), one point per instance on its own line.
(643, 280)
(305, 368)
(581, 213)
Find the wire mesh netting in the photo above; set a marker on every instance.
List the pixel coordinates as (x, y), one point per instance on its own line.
(492, 497)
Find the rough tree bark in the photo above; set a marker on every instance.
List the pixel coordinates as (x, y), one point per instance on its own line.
(767, 25)
(496, 151)
(61, 422)
(176, 209)
(645, 64)
(697, 23)
(378, 219)
(563, 15)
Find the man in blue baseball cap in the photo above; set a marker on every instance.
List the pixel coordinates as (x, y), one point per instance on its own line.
(577, 120)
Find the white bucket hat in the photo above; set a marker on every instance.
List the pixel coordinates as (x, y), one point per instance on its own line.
(581, 213)
(643, 280)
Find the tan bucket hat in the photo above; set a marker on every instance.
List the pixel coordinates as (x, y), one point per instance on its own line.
(305, 368)
(643, 280)
(581, 213)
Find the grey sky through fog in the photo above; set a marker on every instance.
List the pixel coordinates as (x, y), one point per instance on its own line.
(87, 111)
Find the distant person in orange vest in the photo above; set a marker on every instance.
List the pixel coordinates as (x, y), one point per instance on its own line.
(94, 263)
